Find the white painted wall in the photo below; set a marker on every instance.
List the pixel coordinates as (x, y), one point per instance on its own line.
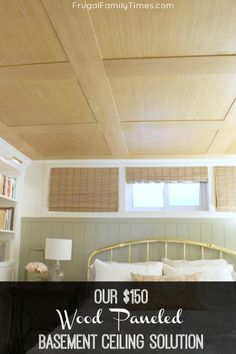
(32, 205)
(37, 180)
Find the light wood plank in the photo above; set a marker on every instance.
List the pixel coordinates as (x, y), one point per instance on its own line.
(23, 146)
(231, 146)
(87, 141)
(166, 140)
(37, 72)
(225, 139)
(19, 143)
(76, 33)
(26, 35)
(222, 141)
(224, 64)
(182, 124)
(230, 119)
(55, 128)
(192, 27)
(44, 102)
(174, 97)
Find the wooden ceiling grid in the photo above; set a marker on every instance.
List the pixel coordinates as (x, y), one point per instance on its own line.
(118, 84)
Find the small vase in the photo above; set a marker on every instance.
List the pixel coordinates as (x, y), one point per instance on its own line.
(36, 276)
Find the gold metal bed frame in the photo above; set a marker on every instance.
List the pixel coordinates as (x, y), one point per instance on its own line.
(166, 242)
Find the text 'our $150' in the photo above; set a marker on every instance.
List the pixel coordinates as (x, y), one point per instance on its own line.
(110, 296)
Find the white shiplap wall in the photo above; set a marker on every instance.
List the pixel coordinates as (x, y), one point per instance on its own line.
(89, 234)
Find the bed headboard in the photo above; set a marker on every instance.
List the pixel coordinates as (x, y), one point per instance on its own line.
(147, 243)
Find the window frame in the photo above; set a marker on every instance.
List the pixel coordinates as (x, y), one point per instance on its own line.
(203, 205)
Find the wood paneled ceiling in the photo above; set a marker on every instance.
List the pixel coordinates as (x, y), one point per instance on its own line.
(105, 83)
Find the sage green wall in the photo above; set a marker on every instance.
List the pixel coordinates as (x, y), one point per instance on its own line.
(90, 234)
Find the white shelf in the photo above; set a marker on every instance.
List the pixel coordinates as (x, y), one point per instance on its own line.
(7, 262)
(7, 232)
(7, 199)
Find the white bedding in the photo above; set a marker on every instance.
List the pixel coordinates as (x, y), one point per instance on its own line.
(211, 270)
(117, 271)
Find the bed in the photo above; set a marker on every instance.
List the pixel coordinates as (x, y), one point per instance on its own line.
(182, 253)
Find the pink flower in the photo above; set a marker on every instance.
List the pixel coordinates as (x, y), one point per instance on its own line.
(36, 267)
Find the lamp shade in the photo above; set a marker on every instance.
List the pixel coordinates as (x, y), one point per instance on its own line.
(58, 249)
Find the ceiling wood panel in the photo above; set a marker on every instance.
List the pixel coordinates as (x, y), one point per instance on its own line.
(199, 65)
(229, 142)
(174, 97)
(164, 140)
(13, 138)
(26, 35)
(87, 141)
(193, 27)
(36, 72)
(44, 102)
(110, 83)
(171, 124)
(225, 139)
(224, 142)
(57, 129)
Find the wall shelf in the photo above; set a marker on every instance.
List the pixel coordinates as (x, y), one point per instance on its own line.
(11, 201)
(10, 168)
(7, 232)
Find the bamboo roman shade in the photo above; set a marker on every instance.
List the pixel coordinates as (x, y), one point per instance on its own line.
(225, 183)
(83, 189)
(166, 174)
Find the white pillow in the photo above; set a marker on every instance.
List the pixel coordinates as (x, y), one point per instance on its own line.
(117, 271)
(211, 273)
(201, 262)
(91, 273)
(233, 274)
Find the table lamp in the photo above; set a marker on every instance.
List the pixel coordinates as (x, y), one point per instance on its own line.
(59, 250)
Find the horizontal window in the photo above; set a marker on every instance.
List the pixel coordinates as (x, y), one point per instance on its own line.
(166, 196)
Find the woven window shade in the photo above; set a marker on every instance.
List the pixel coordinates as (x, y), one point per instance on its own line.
(225, 184)
(83, 189)
(166, 174)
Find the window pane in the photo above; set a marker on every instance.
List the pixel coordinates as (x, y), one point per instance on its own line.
(148, 195)
(184, 194)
